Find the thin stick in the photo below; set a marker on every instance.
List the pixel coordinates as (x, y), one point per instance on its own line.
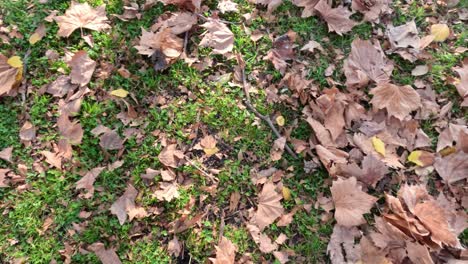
(24, 83)
(265, 118)
(209, 176)
(221, 227)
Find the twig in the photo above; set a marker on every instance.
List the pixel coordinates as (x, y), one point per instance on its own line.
(185, 42)
(221, 227)
(209, 176)
(24, 83)
(265, 118)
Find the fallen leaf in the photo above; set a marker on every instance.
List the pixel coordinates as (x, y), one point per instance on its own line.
(399, 101)
(61, 86)
(126, 205)
(350, 202)
(269, 206)
(461, 85)
(309, 7)
(106, 256)
(336, 18)
(286, 193)
(121, 93)
(271, 4)
(282, 51)
(3, 180)
(366, 62)
(280, 120)
(11, 72)
(225, 252)
(82, 68)
(174, 248)
(191, 5)
(420, 70)
(278, 149)
(378, 145)
(87, 182)
(421, 158)
(71, 131)
(38, 34)
(281, 256)
(170, 156)
(167, 191)
(6, 153)
(27, 132)
(453, 167)
(373, 170)
(440, 32)
(404, 36)
(208, 144)
(218, 37)
(227, 6)
(266, 245)
(342, 247)
(312, 45)
(111, 140)
(372, 9)
(53, 159)
(418, 254)
(82, 16)
(180, 22)
(130, 12)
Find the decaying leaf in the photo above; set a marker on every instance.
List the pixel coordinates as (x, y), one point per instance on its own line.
(106, 256)
(372, 9)
(218, 36)
(399, 101)
(170, 156)
(282, 51)
(110, 140)
(174, 247)
(125, 205)
(227, 6)
(462, 85)
(336, 18)
(11, 72)
(350, 202)
(38, 34)
(191, 5)
(342, 241)
(87, 182)
(271, 4)
(453, 167)
(404, 36)
(82, 68)
(167, 191)
(309, 7)
(366, 62)
(277, 149)
(225, 252)
(53, 159)
(208, 144)
(71, 131)
(82, 16)
(421, 158)
(269, 206)
(372, 171)
(6, 153)
(266, 245)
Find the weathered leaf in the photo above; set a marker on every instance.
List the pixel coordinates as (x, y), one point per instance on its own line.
(106, 256)
(282, 51)
(336, 18)
(82, 16)
(269, 206)
(225, 252)
(421, 158)
(87, 182)
(126, 205)
(440, 32)
(38, 34)
(82, 68)
(218, 37)
(11, 72)
(399, 101)
(453, 167)
(170, 156)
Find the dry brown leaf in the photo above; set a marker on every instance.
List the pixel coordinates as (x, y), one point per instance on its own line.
(309, 7)
(451, 135)
(372, 171)
(53, 159)
(170, 156)
(225, 252)
(412, 195)
(110, 140)
(6, 153)
(271, 4)
(82, 16)
(366, 62)
(350, 202)
(434, 219)
(174, 247)
(227, 6)
(3, 179)
(126, 205)
(130, 12)
(106, 256)
(372, 9)
(278, 148)
(269, 206)
(418, 254)
(190, 5)
(404, 36)
(336, 18)
(453, 167)
(71, 131)
(312, 45)
(372, 254)
(282, 51)
(219, 37)
(281, 256)
(462, 85)
(87, 182)
(266, 245)
(61, 86)
(208, 144)
(167, 191)
(82, 68)
(10, 76)
(180, 22)
(342, 241)
(399, 101)
(27, 132)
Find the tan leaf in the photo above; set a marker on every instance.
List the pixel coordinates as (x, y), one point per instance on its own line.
(266, 245)
(271, 4)
(208, 143)
(440, 32)
(418, 254)
(71, 131)
(342, 247)
(6, 153)
(453, 167)
(309, 7)
(110, 140)
(312, 45)
(61, 86)
(227, 6)
(180, 22)
(373, 170)
(10, 76)
(126, 205)
(278, 148)
(27, 132)
(3, 180)
(461, 85)
(225, 252)
(282, 51)
(87, 182)
(404, 36)
(281, 256)
(167, 191)
(219, 37)
(174, 247)
(269, 206)
(365, 63)
(130, 12)
(336, 18)
(82, 16)
(53, 159)
(106, 256)
(372, 9)
(190, 5)
(350, 202)
(433, 218)
(399, 101)
(38, 34)
(82, 68)
(170, 156)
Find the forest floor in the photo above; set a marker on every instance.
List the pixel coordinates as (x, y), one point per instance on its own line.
(109, 154)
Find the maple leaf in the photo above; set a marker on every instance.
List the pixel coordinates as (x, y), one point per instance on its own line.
(372, 9)
(106, 256)
(6, 153)
(82, 16)
(167, 192)
(170, 156)
(10, 73)
(53, 159)
(180, 22)
(453, 167)
(309, 7)
(269, 206)
(399, 101)
(87, 182)
(282, 51)
(372, 171)
(404, 36)
(126, 205)
(342, 241)
(164, 47)
(350, 202)
(225, 252)
(336, 18)
(82, 68)
(218, 36)
(110, 140)
(462, 85)
(266, 245)
(71, 131)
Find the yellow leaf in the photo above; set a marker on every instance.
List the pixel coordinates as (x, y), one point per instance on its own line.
(440, 32)
(120, 93)
(34, 38)
(211, 151)
(280, 120)
(286, 193)
(414, 157)
(379, 146)
(15, 62)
